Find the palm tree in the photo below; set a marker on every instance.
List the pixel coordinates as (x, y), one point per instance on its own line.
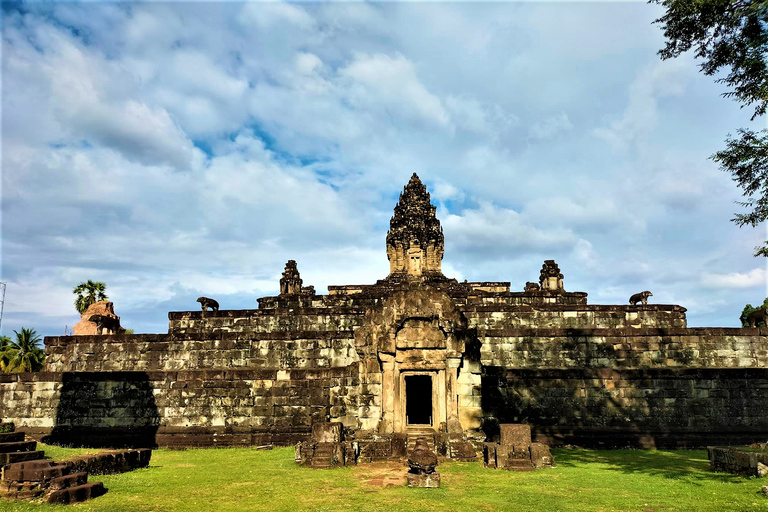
(5, 343)
(88, 293)
(24, 354)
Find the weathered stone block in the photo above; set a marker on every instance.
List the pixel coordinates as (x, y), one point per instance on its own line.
(541, 456)
(430, 481)
(515, 435)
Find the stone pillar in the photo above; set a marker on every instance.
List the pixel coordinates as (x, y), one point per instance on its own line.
(452, 386)
(470, 395)
(390, 387)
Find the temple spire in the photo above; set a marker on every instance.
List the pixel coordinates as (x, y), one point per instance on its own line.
(415, 238)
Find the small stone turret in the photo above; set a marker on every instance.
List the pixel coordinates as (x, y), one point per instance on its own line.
(415, 241)
(550, 277)
(290, 283)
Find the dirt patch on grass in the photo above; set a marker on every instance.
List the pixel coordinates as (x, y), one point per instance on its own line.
(382, 474)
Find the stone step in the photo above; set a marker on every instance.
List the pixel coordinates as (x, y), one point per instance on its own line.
(21, 491)
(77, 494)
(519, 465)
(13, 457)
(11, 437)
(30, 471)
(66, 481)
(18, 446)
(411, 441)
(37, 474)
(16, 487)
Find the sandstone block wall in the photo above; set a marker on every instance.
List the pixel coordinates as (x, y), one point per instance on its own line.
(561, 316)
(222, 350)
(197, 407)
(624, 348)
(326, 318)
(660, 407)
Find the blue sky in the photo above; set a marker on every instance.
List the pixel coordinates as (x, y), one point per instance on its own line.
(174, 150)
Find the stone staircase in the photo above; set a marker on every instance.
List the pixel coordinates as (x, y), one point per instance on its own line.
(26, 474)
(414, 433)
(324, 456)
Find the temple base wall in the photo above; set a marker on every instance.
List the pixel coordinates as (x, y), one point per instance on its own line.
(198, 408)
(648, 408)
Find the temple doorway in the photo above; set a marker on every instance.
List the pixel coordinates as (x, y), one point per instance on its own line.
(418, 399)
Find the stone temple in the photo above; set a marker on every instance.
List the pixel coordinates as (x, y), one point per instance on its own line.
(415, 352)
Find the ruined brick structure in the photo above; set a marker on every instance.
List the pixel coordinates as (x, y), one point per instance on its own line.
(412, 354)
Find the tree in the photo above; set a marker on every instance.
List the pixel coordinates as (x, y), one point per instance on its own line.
(24, 354)
(748, 309)
(5, 343)
(88, 293)
(730, 34)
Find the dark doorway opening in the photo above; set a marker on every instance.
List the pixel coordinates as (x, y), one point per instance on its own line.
(418, 399)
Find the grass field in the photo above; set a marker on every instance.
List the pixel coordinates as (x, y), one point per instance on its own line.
(242, 479)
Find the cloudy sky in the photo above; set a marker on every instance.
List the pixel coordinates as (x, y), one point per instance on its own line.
(173, 150)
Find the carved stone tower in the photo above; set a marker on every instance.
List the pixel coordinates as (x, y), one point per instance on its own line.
(415, 238)
(291, 281)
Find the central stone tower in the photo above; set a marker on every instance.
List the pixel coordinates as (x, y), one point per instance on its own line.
(415, 239)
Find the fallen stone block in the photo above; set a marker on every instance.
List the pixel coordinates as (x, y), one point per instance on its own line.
(541, 456)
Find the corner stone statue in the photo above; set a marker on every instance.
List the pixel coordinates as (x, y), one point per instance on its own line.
(757, 316)
(206, 303)
(109, 323)
(640, 297)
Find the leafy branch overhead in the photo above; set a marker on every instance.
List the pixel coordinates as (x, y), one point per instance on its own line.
(732, 35)
(88, 293)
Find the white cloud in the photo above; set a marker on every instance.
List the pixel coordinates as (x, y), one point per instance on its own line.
(551, 126)
(312, 118)
(491, 228)
(468, 113)
(753, 278)
(275, 15)
(656, 81)
(444, 191)
(383, 82)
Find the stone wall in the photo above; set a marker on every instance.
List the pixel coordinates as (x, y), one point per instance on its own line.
(262, 376)
(630, 407)
(220, 350)
(196, 407)
(624, 348)
(487, 315)
(329, 317)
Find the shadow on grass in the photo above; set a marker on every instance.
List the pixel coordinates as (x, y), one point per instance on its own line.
(691, 465)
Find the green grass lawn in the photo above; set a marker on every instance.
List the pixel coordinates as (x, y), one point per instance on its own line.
(242, 479)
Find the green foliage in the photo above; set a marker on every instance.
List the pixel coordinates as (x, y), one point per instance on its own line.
(24, 354)
(748, 309)
(730, 34)
(5, 344)
(128, 331)
(237, 479)
(88, 293)
(725, 34)
(746, 158)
